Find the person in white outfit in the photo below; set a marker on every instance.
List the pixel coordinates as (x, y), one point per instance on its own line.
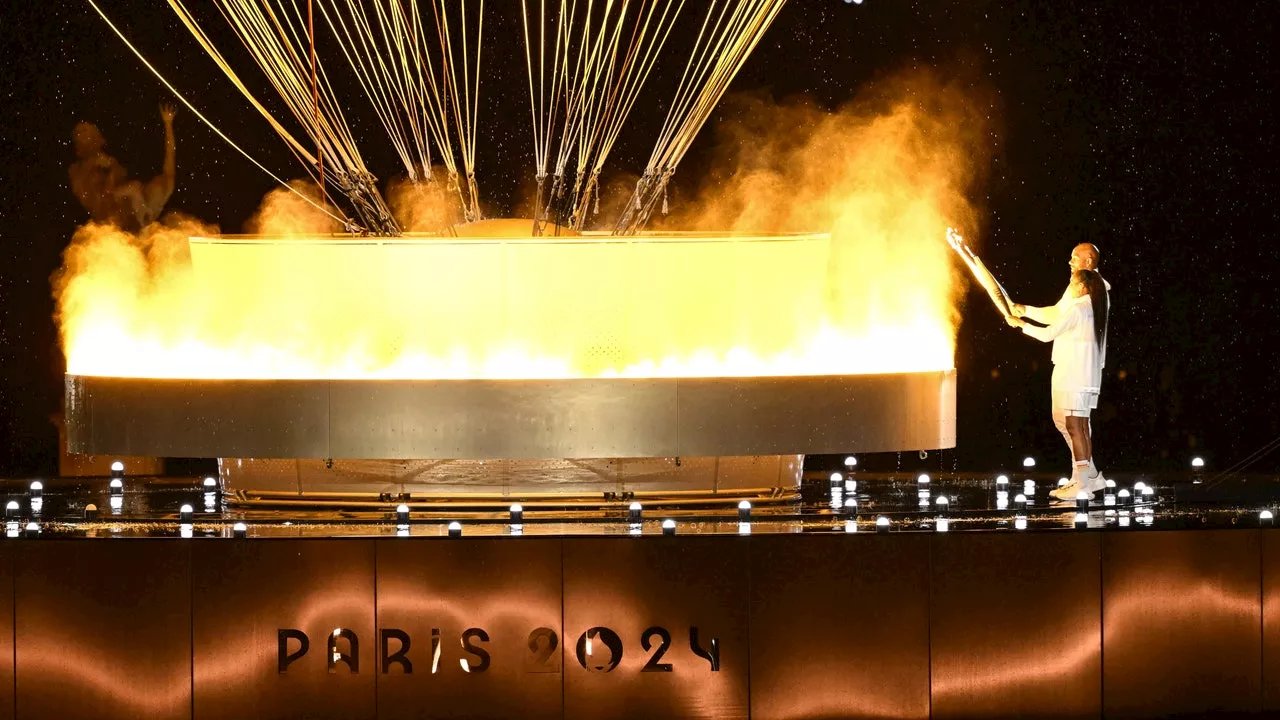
(1078, 333)
(1084, 256)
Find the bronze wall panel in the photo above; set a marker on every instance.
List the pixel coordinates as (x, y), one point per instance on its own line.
(1181, 623)
(1015, 626)
(245, 592)
(839, 626)
(629, 585)
(508, 587)
(7, 698)
(103, 629)
(1271, 621)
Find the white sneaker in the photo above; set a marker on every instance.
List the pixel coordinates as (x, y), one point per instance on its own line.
(1068, 491)
(1095, 483)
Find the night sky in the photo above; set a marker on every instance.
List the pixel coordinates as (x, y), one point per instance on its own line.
(1147, 128)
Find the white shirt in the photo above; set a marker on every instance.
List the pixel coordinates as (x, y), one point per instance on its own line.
(1077, 358)
(1047, 315)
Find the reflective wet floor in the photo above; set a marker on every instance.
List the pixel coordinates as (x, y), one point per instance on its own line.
(862, 503)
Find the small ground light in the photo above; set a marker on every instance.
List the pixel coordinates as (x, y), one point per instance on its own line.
(37, 489)
(117, 469)
(744, 510)
(239, 530)
(1020, 502)
(1137, 488)
(402, 514)
(1197, 463)
(1082, 521)
(851, 506)
(837, 479)
(455, 529)
(517, 514)
(1266, 518)
(32, 529)
(1111, 484)
(850, 463)
(1123, 497)
(116, 487)
(90, 511)
(943, 503)
(210, 483)
(1148, 494)
(1082, 500)
(882, 524)
(634, 512)
(11, 509)
(668, 527)
(1062, 482)
(923, 480)
(185, 513)
(1028, 462)
(1002, 481)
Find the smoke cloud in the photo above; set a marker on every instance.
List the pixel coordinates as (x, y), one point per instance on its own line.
(885, 174)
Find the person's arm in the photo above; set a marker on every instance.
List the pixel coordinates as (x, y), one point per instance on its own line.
(1043, 315)
(1064, 322)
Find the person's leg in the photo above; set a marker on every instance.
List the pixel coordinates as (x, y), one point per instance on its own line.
(1060, 422)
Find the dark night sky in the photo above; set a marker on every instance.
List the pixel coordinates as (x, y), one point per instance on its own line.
(1147, 128)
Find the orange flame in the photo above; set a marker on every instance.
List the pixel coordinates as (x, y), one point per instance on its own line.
(876, 294)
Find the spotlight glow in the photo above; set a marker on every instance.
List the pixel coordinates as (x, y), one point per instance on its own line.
(1028, 462)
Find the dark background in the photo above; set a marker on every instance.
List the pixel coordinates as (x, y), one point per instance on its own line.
(1146, 128)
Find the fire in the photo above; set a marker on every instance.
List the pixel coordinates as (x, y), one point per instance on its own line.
(875, 291)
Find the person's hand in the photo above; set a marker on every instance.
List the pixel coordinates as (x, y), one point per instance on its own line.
(167, 112)
(1014, 321)
(954, 239)
(1018, 310)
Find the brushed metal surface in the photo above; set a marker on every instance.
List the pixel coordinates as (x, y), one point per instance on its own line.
(103, 629)
(1271, 621)
(190, 418)
(503, 419)
(507, 587)
(245, 592)
(816, 415)
(630, 585)
(839, 626)
(7, 699)
(1015, 626)
(511, 419)
(1181, 623)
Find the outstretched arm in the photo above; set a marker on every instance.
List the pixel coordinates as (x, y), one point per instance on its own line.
(159, 188)
(1064, 322)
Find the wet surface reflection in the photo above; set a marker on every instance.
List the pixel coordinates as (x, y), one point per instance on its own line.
(825, 503)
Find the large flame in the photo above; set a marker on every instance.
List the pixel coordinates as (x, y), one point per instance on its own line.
(876, 295)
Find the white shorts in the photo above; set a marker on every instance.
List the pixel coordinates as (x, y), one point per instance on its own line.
(1070, 401)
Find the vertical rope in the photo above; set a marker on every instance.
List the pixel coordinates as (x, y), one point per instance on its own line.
(315, 95)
